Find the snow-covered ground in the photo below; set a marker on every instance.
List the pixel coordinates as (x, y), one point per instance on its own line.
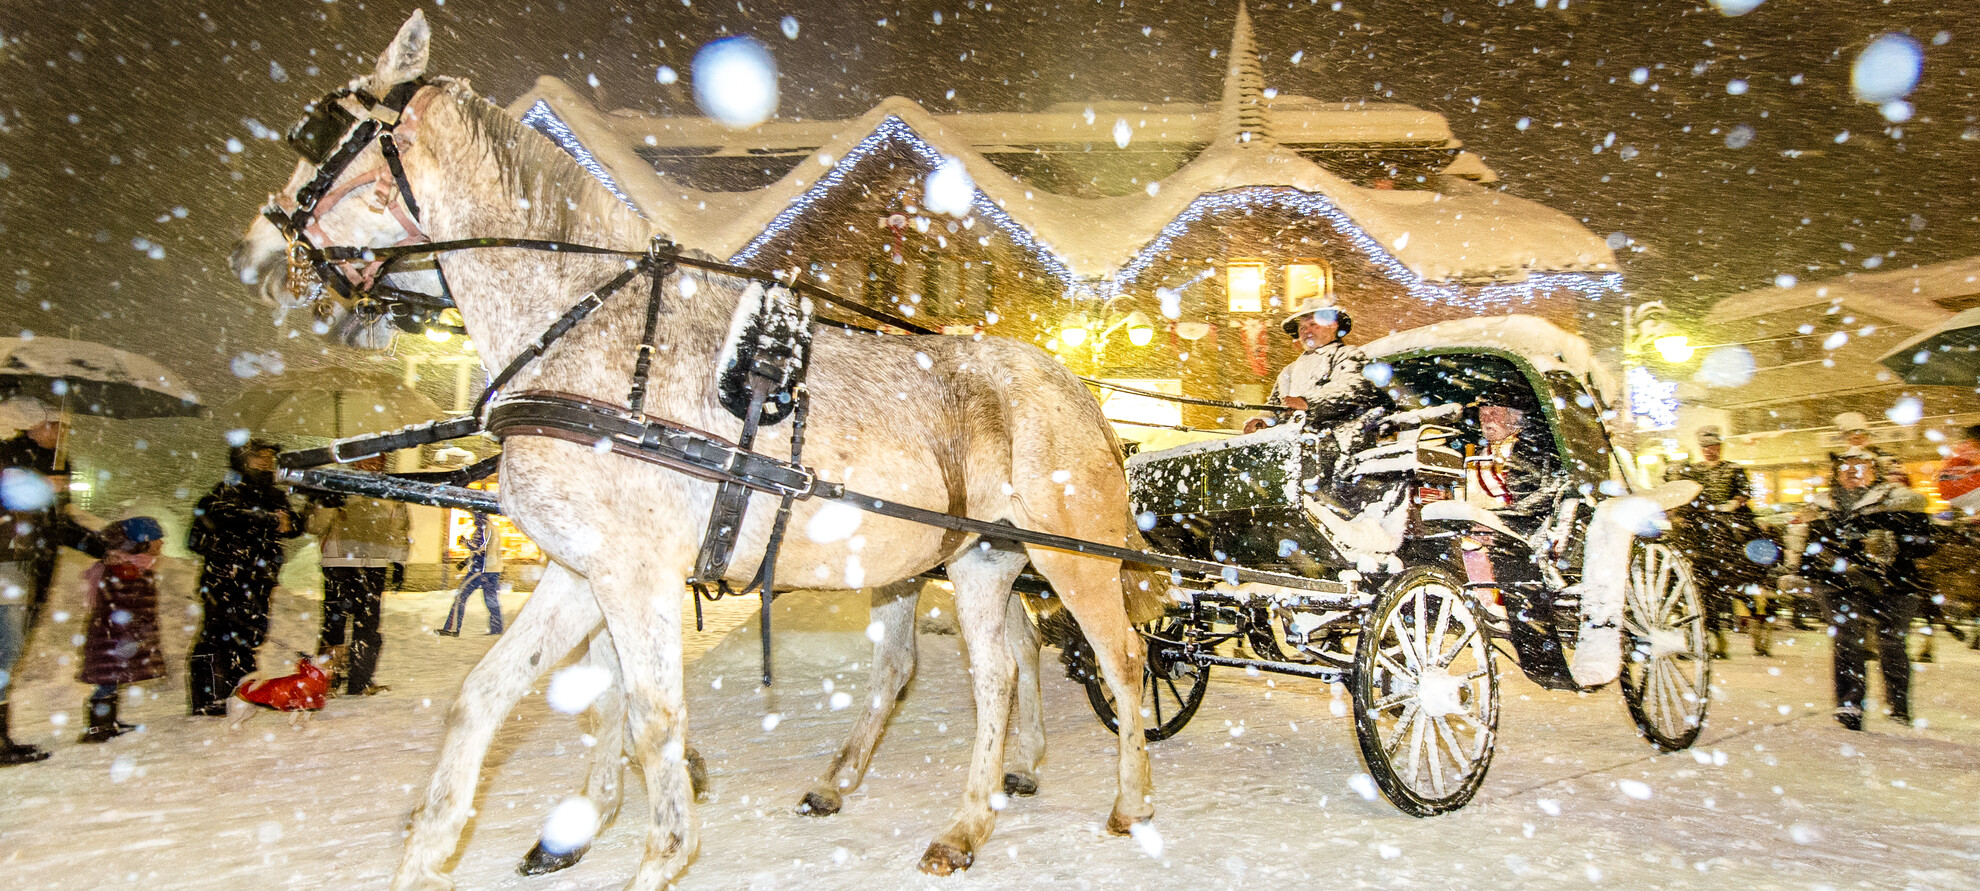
(1257, 792)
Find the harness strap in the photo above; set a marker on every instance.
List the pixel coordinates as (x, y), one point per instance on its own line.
(643, 365)
(559, 328)
(357, 448)
(390, 148)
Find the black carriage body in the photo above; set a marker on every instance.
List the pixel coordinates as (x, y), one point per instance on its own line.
(1238, 502)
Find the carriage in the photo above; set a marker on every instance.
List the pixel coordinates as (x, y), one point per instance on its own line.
(1388, 528)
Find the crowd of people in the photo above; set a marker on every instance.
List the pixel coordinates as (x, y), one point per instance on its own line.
(240, 531)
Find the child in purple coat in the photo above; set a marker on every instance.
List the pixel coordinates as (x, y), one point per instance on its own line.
(120, 641)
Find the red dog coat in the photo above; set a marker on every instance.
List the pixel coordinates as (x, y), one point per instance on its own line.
(302, 691)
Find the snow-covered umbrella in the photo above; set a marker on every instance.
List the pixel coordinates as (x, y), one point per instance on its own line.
(332, 403)
(1947, 354)
(93, 379)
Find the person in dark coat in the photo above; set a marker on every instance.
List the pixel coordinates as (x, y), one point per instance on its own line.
(238, 528)
(35, 520)
(1714, 530)
(1864, 540)
(120, 637)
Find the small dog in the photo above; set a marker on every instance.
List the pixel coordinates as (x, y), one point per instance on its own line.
(300, 694)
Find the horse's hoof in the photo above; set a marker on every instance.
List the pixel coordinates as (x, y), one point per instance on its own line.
(541, 862)
(820, 804)
(697, 774)
(1020, 784)
(943, 859)
(1120, 824)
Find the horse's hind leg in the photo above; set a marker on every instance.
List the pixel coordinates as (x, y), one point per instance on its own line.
(983, 577)
(558, 616)
(1021, 776)
(893, 665)
(604, 782)
(1092, 589)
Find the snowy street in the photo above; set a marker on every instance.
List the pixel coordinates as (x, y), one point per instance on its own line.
(1258, 791)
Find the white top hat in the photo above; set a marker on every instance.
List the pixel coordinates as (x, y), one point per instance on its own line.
(1308, 307)
(24, 413)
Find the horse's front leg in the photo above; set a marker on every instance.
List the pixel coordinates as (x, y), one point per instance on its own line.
(604, 781)
(893, 666)
(639, 593)
(559, 615)
(983, 577)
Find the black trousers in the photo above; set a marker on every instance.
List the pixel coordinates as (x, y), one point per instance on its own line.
(356, 593)
(233, 626)
(1856, 614)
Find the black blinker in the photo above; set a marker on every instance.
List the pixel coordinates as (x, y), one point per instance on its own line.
(317, 136)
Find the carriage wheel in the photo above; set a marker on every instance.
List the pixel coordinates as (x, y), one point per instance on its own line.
(1426, 692)
(1171, 689)
(1667, 672)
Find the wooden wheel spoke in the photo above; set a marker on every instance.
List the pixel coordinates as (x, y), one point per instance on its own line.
(1465, 762)
(1447, 657)
(1401, 732)
(1391, 701)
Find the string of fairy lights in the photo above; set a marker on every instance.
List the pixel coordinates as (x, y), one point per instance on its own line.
(893, 131)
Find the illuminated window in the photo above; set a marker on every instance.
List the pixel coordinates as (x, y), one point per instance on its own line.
(1119, 406)
(1310, 278)
(1245, 283)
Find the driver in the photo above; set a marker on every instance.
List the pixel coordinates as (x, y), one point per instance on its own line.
(1326, 380)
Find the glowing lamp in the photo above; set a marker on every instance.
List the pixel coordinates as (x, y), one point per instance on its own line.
(1073, 330)
(438, 336)
(1673, 347)
(1139, 330)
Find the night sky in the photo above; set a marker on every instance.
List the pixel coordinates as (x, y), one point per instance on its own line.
(129, 157)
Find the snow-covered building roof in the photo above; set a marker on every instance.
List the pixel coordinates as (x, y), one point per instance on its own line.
(1446, 229)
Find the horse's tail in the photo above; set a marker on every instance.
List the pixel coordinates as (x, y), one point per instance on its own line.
(1144, 590)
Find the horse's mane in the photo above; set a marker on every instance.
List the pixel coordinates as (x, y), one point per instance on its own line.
(565, 201)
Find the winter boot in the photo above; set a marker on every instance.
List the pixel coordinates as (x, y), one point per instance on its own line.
(103, 723)
(1718, 644)
(1763, 636)
(11, 752)
(1850, 717)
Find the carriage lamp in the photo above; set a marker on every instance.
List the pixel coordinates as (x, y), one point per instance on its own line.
(438, 336)
(1674, 348)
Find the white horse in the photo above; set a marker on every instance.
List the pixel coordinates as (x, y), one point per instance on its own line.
(992, 430)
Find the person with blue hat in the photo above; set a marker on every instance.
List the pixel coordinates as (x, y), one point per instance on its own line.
(120, 638)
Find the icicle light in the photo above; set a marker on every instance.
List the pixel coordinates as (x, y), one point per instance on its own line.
(896, 131)
(541, 119)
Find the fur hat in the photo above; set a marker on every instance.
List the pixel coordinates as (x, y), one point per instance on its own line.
(1313, 305)
(1851, 422)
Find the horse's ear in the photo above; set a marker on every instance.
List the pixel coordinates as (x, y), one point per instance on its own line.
(405, 59)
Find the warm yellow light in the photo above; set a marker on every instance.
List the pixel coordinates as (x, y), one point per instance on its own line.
(1139, 330)
(438, 336)
(1305, 280)
(1673, 347)
(1245, 285)
(1074, 329)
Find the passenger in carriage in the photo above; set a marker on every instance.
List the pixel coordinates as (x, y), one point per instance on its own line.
(1326, 381)
(1525, 473)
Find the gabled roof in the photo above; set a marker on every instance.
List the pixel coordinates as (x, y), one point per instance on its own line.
(1454, 232)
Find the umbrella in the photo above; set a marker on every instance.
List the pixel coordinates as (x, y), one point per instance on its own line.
(333, 403)
(1947, 354)
(93, 379)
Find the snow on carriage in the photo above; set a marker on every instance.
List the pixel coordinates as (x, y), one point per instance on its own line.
(1389, 606)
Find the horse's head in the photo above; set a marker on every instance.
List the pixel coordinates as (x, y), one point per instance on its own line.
(344, 194)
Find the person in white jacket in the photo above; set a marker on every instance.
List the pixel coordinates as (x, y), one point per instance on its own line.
(364, 543)
(1326, 381)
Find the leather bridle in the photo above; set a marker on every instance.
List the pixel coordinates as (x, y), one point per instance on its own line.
(334, 132)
